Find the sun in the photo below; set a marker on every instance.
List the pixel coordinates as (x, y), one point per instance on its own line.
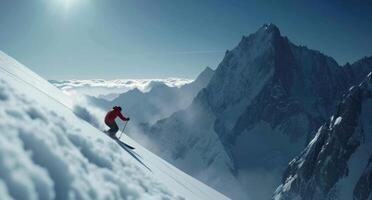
(66, 4)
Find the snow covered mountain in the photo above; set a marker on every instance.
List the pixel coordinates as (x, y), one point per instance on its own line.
(336, 164)
(259, 110)
(159, 102)
(46, 152)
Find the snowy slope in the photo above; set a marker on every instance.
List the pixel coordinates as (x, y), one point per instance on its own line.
(46, 152)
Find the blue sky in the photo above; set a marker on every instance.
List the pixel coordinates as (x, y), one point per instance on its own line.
(64, 39)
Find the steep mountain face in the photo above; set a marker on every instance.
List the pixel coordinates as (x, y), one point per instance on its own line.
(259, 110)
(336, 164)
(160, 102)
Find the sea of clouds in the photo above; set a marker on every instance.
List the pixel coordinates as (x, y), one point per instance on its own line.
(110, 89)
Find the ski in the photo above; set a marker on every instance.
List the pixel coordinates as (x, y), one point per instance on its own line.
(119, 141)
(126, 145)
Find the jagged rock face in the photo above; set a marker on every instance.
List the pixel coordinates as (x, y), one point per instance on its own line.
(317, 173)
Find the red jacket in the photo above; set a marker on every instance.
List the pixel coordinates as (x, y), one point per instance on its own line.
(115, 112)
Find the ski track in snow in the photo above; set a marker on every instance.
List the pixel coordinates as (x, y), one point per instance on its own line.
(46, 152)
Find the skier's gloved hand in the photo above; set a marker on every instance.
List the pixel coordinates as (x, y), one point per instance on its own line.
(128, 119)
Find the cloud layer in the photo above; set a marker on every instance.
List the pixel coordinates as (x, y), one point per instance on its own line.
(110, 88)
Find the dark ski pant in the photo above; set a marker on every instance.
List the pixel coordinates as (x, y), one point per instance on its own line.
(113, 128)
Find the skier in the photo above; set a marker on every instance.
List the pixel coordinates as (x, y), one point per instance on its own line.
(110, 120)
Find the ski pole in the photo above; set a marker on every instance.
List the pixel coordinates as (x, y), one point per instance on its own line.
(122, 131)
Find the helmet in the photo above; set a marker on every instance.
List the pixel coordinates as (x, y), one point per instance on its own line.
(117, 107)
